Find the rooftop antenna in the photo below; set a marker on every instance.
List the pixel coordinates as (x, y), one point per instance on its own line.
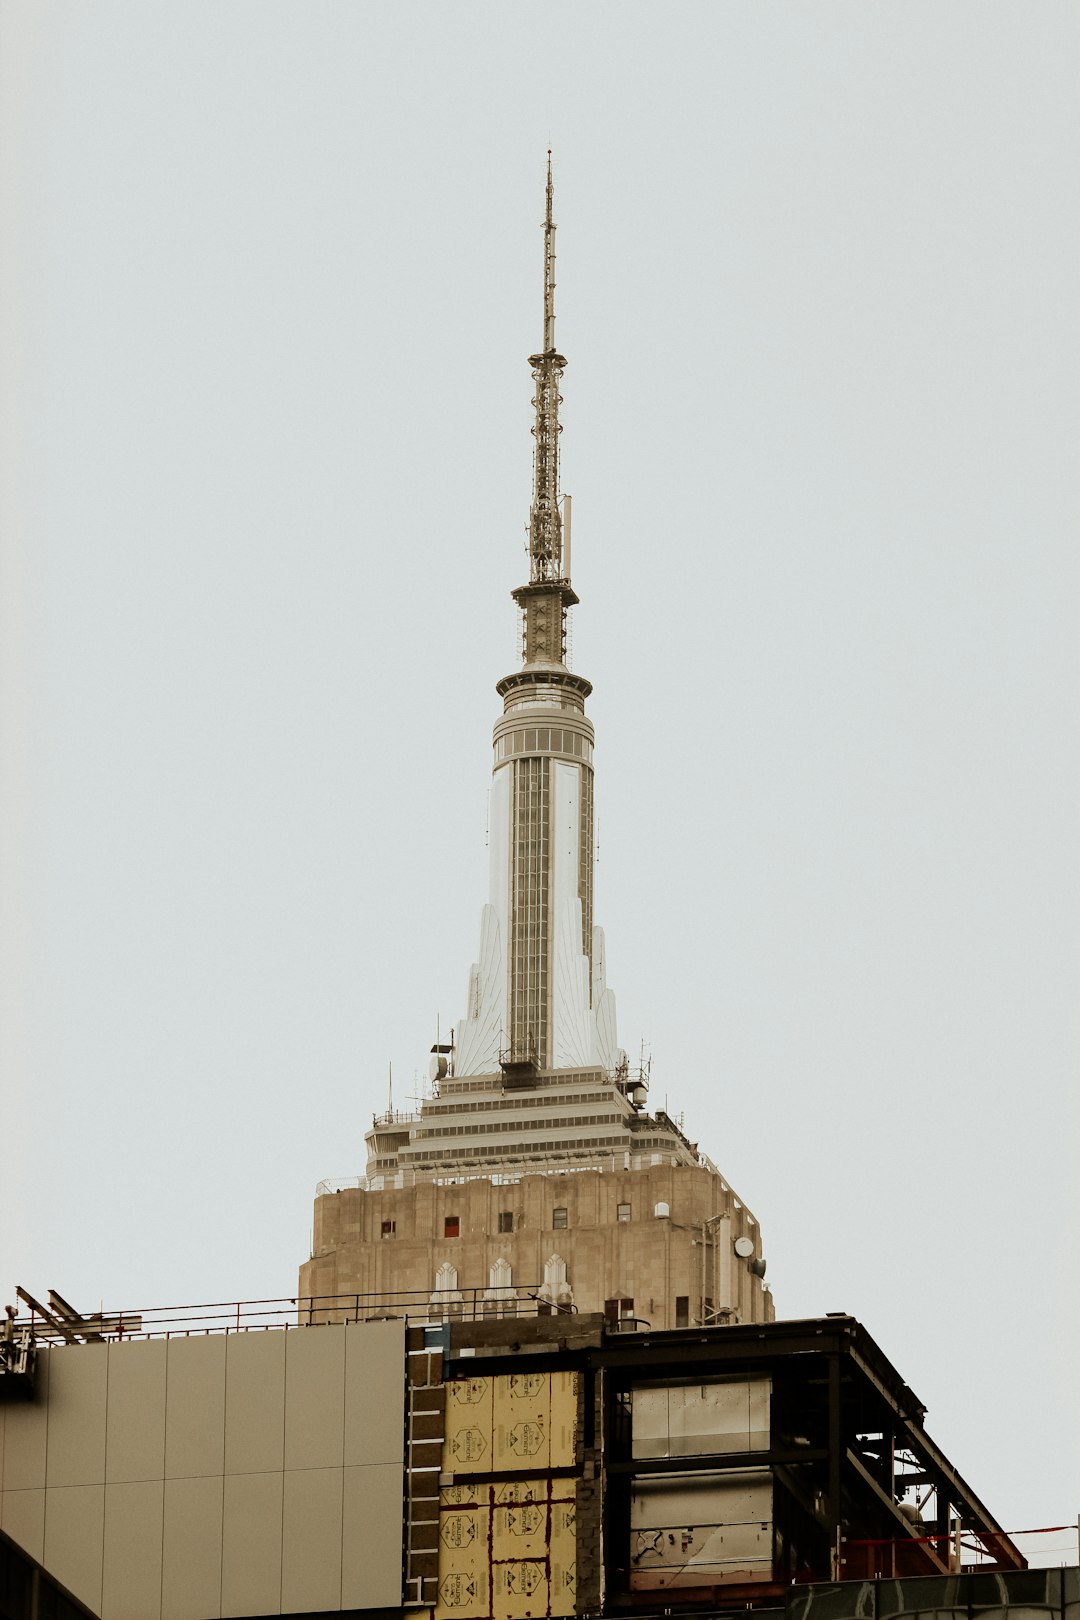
(545, 519)
(390, 1101)
(549, 265)
(544, 601)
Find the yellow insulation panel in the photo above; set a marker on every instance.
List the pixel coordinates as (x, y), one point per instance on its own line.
(510, 1422)
(563, 1421)
(507, 1550)
(519, 1590)
(464, 1563)
(522, 1490)
(519, 1530)
(521, 1410)
(563, 1557)
(467, 1446)
(456, 1496)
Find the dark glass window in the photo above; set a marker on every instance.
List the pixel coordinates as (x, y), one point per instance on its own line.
(682, 1310)
(506, 1220)
(452, 1226)
(558, 1219)
(388, 1229)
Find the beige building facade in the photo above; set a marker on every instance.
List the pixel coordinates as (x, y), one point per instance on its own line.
(659, 1244)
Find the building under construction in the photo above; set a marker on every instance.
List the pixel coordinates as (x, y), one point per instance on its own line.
(222, 1462)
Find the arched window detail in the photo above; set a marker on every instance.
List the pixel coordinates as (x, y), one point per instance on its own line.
(556, 1290)
(446, 1286)
(499, 1281)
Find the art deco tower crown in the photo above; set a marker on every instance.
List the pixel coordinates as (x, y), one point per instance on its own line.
(537, 996)
(533, 1172)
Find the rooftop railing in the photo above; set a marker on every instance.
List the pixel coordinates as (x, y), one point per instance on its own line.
(509, 1172)
(394, 1117)
(415, 1306)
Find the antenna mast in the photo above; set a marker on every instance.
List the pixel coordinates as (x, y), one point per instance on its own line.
(545, 599)
(545, 522)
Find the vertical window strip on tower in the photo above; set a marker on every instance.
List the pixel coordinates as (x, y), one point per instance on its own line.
(585, 867)
(529, 910)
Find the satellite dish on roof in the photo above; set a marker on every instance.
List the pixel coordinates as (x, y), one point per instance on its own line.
(437, 1067)
(744, 1247)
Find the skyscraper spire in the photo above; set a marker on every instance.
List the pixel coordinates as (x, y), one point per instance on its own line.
(535, 1083)
(545, 525)
(538, 995)
(549, 265)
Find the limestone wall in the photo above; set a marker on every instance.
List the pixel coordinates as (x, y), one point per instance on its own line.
(654, 1259)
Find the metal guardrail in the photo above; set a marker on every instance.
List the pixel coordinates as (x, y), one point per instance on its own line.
(416, 1306)
(509, 1174)
(395, 1116)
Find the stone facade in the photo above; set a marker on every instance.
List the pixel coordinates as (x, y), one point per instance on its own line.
(661, 1240)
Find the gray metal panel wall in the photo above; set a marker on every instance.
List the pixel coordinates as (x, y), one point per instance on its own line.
(257, 1473)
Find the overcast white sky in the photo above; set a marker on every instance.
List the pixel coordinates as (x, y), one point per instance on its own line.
(271, 273)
